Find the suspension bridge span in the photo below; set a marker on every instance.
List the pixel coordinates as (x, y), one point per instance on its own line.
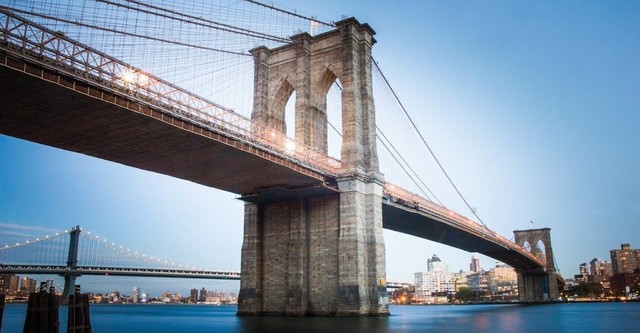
(313, 223)
(71, 254)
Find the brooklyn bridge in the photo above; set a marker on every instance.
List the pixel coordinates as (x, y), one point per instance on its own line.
(314, 209)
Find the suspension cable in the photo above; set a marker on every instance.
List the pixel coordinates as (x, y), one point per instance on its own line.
(291, 13)
(408, 165)
(251, 32)
(378, 130)
(424, 141)
(91, 26)
(212, 24)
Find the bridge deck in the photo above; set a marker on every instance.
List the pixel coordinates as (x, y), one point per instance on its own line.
(432, 227)
(64, 112)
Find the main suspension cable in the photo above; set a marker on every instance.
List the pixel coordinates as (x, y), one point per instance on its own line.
(291, 13)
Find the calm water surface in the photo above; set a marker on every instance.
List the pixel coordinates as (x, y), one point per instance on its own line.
(573, 317)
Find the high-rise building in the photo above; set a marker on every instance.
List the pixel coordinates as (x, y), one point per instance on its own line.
(28, 285)
(13, 285)
(136, 295)
(5, 283)
(203, 295)
(625, 260)
(437, 278)
(600, 267)
(474, 267)
(193, 298)
(584, 273)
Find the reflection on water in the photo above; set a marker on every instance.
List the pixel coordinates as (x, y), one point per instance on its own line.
(585, 317)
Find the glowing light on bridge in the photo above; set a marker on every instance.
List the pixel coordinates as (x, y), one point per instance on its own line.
(128, 76)
(290, 146)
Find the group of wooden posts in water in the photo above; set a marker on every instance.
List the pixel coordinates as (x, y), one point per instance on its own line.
(43, 312)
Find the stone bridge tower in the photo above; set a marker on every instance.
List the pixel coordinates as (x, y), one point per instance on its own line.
(318, 254)
(537, 285)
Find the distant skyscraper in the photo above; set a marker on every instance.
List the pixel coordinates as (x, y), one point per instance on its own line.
(136, 295)
(625, 260)
(194, 295)
(475, 264)
(203, 295)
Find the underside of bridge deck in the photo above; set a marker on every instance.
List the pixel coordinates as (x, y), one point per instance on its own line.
(431, 227)
(66, 113)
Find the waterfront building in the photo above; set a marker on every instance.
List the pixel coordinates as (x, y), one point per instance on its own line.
(600, 267)
(503, 279)
(114, 297)
(193, 298)
(13, 285)
(28, 285)
(203, 295)
(5, 283)
(601, 271)
(625, 260)
(436, 279)
(626, 284)
(583, 276)
(479, 282)
(136, 295)
(460, 280)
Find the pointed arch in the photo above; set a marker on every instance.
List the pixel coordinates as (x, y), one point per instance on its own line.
(283, 93)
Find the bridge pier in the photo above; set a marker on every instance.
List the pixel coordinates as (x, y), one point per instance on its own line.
(72, 262)
(318, 254)
(537, 285)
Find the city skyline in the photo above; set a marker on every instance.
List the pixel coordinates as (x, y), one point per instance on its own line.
(539, 95)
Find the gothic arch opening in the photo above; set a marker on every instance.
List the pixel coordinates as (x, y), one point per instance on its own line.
(539, 251)
(283, 95)
(331, 89)
(290, 116)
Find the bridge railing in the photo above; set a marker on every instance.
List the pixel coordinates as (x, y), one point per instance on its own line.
(408, 199)
(55, 50)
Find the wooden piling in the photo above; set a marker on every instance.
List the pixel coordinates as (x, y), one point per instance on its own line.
(1, 309)
(42, 313)
(78, 320)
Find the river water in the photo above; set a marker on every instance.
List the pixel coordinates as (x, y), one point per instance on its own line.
(565, 317)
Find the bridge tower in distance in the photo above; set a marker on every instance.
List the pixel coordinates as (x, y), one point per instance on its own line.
(318, 253)
(537, 285)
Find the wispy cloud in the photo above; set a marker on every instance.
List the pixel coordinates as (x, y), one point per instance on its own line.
(23, 231)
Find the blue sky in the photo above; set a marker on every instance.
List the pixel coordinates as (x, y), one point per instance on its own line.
(532, 107)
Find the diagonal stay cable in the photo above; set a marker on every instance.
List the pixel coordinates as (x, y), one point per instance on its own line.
(115, 31)
(424, 141)
(214, 25)
(395, 158)
(408, 165)
(239, 29)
